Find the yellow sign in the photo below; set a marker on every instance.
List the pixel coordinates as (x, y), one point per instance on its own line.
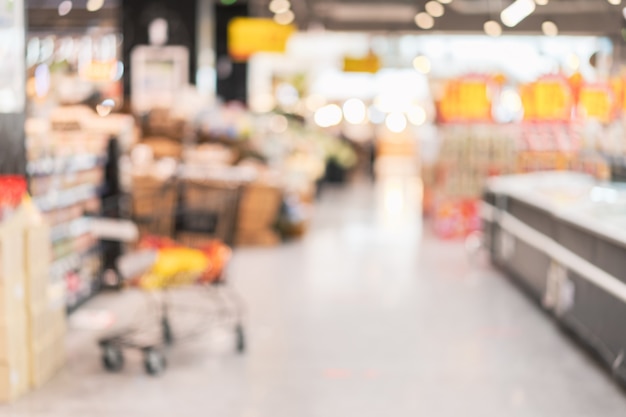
(247, 36)
(466, 100)
(99, 71)
(370, 64)
(597, 102)
(548, 99)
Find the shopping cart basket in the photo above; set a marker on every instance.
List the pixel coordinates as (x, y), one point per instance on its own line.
(180, 262)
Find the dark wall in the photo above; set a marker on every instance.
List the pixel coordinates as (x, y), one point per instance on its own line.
(12, 150)
(232, 78)
(181, 16)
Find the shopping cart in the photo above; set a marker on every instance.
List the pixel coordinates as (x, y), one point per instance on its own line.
(180, 262)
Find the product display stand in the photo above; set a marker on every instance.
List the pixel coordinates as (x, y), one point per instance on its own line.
(563, 238)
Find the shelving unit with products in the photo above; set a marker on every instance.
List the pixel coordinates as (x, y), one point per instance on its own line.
(65, 163)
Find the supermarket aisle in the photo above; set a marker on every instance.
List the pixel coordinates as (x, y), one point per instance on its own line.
(362, 318)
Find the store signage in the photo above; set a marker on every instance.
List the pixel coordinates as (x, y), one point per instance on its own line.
(99, 71)
(466, 99)
(247, 36)
(368, 64)
(548, 99)
(597, 102)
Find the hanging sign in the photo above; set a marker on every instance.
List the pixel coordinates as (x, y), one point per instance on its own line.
(466, 99)
(368, 64)
(548, 99)
(247, 36)
(597, 102)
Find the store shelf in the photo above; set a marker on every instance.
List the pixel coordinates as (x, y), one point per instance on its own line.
(61, 199)
(71, 229)
(64, 165)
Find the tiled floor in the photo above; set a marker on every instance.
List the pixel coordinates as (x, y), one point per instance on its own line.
(364, 317)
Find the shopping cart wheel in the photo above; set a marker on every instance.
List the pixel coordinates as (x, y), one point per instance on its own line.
(240, 339)
(112, 358)
(154, 361)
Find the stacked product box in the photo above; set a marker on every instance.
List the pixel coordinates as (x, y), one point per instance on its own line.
(14, 361)
(45, 303)
(259, 209)
(32, 307)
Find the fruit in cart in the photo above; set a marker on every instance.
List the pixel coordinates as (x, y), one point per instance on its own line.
(157, 242)
(218, 254)
(175, 266)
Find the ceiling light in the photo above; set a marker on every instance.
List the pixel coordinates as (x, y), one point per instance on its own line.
(364, 11)
(94, 5)
(395, 122)
(435, 9)
(328, 116)
(417, 115)
(424, 21)
(375, 115)
(573, 62)
(549, 28)
(314, 102)
(445, 1)
(541, 2)
(354, 111)
(422, 64)
(517, 12)
(615, 2)
(492, 28)
(285, 18)
(65, 7)
(279, 6)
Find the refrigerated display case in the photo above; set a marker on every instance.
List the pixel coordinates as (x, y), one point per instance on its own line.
(562, 236)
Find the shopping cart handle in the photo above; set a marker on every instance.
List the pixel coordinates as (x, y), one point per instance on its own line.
(136, 263)
(114, 229)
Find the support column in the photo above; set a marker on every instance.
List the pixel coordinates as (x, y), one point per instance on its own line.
(12, 109)
(232, 78)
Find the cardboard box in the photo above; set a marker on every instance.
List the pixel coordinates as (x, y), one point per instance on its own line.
(46, 361)
(14, 372)
(259, 238)
(13, 341)
(37, 289)
(12, 248)
(256, 220)
(259, 197)
(38, 253)
(14, 381)
(12, 298)
(259, 209)
(45, 326)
